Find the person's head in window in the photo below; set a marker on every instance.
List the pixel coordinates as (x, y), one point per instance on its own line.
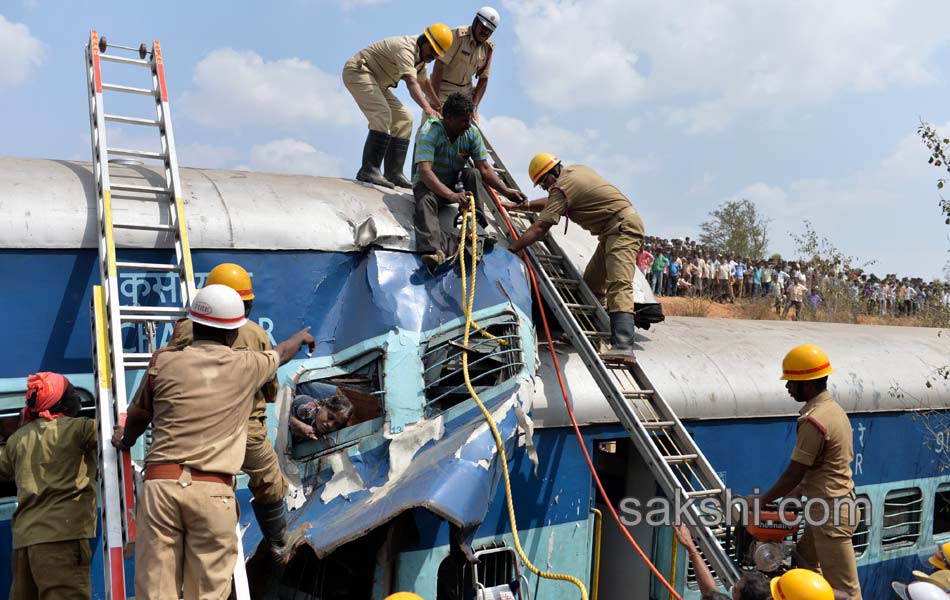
(311, 417)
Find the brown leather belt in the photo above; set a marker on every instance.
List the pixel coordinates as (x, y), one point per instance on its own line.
(172, 471)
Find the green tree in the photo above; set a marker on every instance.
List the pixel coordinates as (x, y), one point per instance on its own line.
(937, 146)
(737, 228)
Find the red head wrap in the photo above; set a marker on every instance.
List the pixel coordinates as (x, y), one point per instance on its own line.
(43, 391)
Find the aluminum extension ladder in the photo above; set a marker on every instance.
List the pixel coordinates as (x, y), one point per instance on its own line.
(111, 360)
(668, 449)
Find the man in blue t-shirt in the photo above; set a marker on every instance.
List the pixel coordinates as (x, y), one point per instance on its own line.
(443, 149)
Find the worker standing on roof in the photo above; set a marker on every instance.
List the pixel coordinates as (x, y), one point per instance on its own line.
(198, 399)
(443, 149)
(265, 479)
(581, 194)
(52, 458)
(821, 466)
(470, 56)
(369, 74)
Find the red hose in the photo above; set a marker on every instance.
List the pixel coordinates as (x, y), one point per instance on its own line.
(570, 409)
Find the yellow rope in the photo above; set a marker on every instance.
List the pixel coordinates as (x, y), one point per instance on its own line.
(468, 303)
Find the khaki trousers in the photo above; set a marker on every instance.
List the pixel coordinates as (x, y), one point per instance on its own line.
(52, 571)
(382, 109)
(186, 545)
(266, 482)
(610, 270)
(829, 549)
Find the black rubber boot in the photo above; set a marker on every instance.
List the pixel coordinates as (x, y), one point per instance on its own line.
(273, 523)
(622, 331)
(395, 161)
(374, 150)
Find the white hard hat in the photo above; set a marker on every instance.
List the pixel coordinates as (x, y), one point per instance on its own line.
(218, 306)
(919, 590)
(488, 17)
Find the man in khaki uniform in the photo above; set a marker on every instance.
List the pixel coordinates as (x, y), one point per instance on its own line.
(470, 56)
(369, 74)
(582, 195)
(820, 468)
(198, 399)
(265, 479)
(53, 460)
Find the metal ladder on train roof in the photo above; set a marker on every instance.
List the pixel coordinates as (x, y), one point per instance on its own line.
(109, 315)
(666, 446)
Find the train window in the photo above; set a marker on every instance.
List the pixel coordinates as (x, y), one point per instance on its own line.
(355, 387)
(861, 533)
(497, 573)
(902, 513)
(494, 357)
(942, 510)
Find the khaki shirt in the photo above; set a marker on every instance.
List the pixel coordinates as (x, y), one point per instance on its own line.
(250, 337)
(585, 197)
(54, 464)
(824, 445)
(391, 59)
(464, 60)
(201, 398)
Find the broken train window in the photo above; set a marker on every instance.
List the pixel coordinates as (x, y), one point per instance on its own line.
(494, 358)
(335, 407)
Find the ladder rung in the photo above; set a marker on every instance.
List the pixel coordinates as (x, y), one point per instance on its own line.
(564, 281)
(658, 424)
(596, 334)
(151, 313)
(124, 60)
(144, 266)
(133, 120)
(135, 153)
(638, 394)
(144, 189)
(546, 256)
(143, 227)
(582, 308)
(138, 310)
(128, 89)
(704, 493)
(680, 458)
(136, 359)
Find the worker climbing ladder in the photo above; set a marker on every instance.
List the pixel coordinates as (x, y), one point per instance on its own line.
(110, 316)
(666, 446)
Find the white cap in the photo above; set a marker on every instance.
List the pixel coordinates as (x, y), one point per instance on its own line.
(488, 17)
(218, 306)
(919, 590)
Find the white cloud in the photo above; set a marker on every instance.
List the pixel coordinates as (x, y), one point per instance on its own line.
(22, 53)
(710, 61)
(238, 88)
(293, 156)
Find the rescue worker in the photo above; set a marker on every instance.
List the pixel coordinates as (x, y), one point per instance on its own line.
(580, 194)
(52, 458)
(470, 56)
(404, 596)
(369, 74)
(820, 467)
(443, 149)
(919, 590)
(265, 479)
(198, 399)
(802, 584)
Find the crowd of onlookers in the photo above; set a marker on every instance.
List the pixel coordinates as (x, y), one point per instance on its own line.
(687, 268)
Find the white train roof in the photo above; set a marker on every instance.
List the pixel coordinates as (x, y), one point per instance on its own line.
(705, 368)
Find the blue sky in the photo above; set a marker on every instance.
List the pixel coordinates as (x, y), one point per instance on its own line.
(809, 108)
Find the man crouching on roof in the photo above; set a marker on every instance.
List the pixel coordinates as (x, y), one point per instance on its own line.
(443, 149)
(53, 459)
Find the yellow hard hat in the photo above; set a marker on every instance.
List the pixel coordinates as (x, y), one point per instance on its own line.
(801, 584)
(804, 363)
(941, 558)
(404, 596)
(440, 36)
(235, 277)
(541, 164)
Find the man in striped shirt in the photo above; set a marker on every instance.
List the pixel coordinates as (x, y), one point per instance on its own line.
(443, 149)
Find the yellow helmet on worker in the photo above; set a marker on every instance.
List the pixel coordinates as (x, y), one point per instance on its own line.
(941, 557)
(540, 165)
(404, 596)
(440, 37)
(804, 363)
(801, 584)
(235, 277)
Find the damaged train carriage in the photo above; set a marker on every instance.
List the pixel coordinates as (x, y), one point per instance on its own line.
(399, 497)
